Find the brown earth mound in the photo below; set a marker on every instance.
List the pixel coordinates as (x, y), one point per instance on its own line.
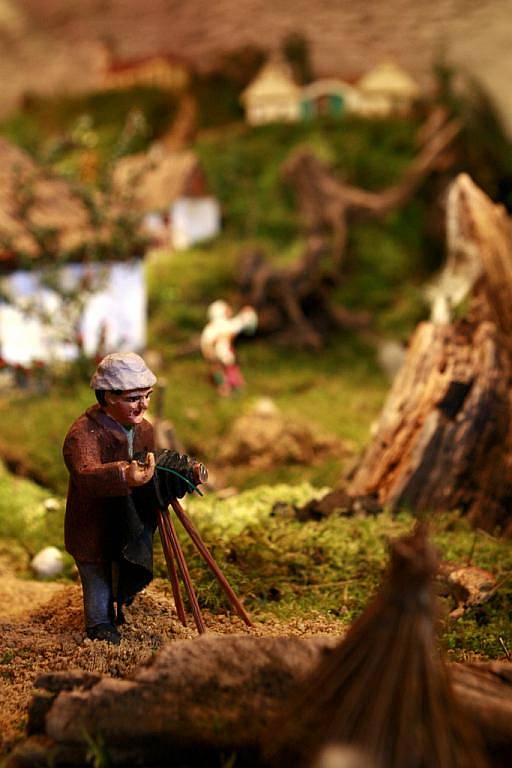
(263, 438)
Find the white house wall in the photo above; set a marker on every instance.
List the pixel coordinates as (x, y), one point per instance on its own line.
(193, 220)
(118, 306)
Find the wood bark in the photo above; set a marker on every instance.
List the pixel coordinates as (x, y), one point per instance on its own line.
(440, 439)
(443, 439)
(215, 695)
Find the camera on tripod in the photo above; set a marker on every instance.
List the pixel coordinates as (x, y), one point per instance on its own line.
(175, 475)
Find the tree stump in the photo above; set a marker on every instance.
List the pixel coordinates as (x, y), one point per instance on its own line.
(441, 436)
(443, 439)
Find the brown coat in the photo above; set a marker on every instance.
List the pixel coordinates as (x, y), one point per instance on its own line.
(94, 449)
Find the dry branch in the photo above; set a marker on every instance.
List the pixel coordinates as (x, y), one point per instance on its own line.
(295, 300)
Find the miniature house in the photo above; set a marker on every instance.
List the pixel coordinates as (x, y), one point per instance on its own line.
(170, 188)
(38, 320)
(113, 316)
(273, 96)
(386, 90)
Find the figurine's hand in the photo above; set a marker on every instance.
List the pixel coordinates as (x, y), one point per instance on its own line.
(139, 474)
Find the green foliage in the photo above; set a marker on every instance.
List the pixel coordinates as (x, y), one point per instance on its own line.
(338, 393)
(98, 755)
(385, 267)
(218, 100)
(384, 259)
(244, 167)
(182, 284)
(49, 127)
(26, 523)
(282, 567)
(114, 223)
(217, 92)
(35, 427)
(331, 568)
(288, 569)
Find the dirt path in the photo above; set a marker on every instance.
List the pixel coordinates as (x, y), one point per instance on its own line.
(41, 630)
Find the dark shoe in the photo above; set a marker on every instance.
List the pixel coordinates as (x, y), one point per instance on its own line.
(120, 617)
(105, 632)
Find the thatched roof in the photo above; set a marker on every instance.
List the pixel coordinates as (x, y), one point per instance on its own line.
(389, 79)
(41, 215)
(153, 181)
(274, 80)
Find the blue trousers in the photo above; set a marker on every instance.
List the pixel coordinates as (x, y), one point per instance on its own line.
(98, 584)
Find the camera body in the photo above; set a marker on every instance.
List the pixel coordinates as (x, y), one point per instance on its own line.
(175, 475)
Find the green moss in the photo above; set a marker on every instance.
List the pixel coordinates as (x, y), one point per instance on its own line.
(331, 568)
(35, 427)
(287, 569)
(27, 524)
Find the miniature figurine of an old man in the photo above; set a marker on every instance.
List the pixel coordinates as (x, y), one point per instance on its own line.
(111, 512)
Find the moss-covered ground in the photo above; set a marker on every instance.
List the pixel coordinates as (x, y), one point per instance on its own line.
(287, 569)
(282, 567)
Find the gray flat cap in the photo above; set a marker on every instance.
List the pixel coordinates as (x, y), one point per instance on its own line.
(122, 370)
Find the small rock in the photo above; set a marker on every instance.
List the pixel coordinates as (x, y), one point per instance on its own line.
(472, 585)
(265, 407)
(48, 562)
(51, 504)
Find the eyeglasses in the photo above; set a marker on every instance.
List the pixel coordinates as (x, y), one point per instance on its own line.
(135, 398)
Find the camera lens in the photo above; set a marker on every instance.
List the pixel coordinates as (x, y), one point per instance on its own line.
(200, 473)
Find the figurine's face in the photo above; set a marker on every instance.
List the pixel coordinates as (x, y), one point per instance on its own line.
(129, 407)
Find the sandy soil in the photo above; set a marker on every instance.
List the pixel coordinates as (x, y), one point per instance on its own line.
(41, 630)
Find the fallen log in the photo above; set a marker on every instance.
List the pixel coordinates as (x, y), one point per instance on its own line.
(214, 695)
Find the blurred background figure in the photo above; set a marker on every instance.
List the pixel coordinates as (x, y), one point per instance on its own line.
(217, 343)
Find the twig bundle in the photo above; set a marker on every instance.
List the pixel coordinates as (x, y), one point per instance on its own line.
(384, 689)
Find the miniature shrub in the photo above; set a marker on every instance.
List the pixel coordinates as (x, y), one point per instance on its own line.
(45, 126)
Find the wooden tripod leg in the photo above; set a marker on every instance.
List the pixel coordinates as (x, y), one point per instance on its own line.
(171, 568)
(183, 567)
(204, 551)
